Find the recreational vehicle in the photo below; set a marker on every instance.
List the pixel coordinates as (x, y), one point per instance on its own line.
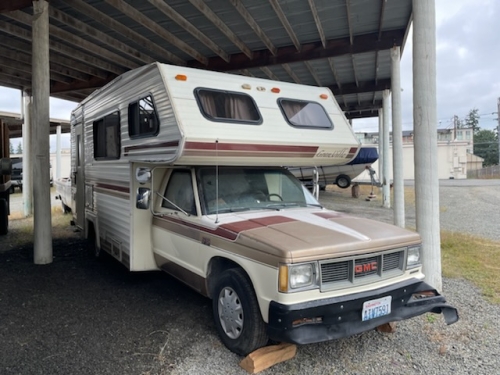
(184, 170)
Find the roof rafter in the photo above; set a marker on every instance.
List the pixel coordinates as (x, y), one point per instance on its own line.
(254, 25)
(9, 6)
(64, 50)
(139, 17)
(269, 73)
(212, 17)
(291, 73)
(285, 23)
(189, 27)
(317, 21)
(137, 38)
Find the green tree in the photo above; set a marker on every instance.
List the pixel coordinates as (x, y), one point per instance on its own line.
(472, 120)
(486, 146)
(11, 148)
(19, 149)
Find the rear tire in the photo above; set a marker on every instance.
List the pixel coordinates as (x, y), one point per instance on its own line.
(236, 313)
(4, 217)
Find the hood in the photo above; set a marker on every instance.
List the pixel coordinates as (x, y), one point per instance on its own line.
(305, 234)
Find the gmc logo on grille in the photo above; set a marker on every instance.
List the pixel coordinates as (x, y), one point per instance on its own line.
(365, 267)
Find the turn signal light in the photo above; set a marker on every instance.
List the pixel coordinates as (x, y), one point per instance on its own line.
(181, 77)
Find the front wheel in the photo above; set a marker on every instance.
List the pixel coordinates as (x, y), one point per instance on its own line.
(236, 313)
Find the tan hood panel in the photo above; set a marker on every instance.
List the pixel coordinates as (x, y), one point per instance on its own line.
(337, 236)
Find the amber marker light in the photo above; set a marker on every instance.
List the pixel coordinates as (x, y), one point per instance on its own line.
(323, 96)
(181, 77)
(275, 90)
(283, 279)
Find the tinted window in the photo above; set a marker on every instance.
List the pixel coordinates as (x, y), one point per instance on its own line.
(305, 114)
(228, 106)
(107, 137)
(142, 118)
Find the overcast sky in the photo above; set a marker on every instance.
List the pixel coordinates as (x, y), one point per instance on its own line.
(468, 68)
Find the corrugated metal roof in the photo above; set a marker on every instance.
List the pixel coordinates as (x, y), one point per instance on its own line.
(342, 44)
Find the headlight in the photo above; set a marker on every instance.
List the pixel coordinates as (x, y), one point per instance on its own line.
(294, 277)
(413, 259)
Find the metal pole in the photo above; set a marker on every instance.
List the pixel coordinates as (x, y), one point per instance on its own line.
(386, 182)
(380, 145)
(425, 130)
(397, 140)
(42, 218)
(27, 154)
(58, 153)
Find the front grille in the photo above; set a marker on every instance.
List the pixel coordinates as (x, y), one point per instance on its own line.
(336, 274)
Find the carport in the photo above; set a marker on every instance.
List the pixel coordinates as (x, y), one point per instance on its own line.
(69, 48)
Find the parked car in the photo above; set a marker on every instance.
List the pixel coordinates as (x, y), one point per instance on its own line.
(16, 176)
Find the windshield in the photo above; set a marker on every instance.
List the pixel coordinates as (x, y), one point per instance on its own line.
(245, 188)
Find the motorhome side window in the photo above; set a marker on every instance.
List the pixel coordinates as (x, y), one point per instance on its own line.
(179, 192)
(107, 137)
(217, 105)
(142, 118)
(302, 113)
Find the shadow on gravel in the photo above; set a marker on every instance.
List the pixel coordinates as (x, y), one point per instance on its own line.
(80, 315)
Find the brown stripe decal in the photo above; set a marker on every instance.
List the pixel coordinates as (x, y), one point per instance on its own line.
(229, 231)
(152, 146)
(247, 147)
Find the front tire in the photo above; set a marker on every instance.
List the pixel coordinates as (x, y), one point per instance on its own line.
(236, 313)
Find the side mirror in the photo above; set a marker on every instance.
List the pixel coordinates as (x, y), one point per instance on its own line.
(142, 201)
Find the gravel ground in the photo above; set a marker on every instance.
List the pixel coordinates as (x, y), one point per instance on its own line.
(82, 316)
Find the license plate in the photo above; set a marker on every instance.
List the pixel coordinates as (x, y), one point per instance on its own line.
(376, 308)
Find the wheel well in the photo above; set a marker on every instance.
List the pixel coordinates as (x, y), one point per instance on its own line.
(216, 266)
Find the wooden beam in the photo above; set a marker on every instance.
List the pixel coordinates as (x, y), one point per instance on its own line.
(361, 86)
(254, 25)
(317, 21)
(18, 82)
(25, 67)
(310, 51)
(312, 72)
(348, 13)
(120, 28)
(24, 34)
(93, 83)
(270, 74)
(354, 72)
(291, 73)
(212, 17)
(364, 107)
(99, 36)
(189, 27)
(381, 18)
(334, 72)
(139, 17)
(285, 23)
(27, 19)
(9, 6)
(268, 356)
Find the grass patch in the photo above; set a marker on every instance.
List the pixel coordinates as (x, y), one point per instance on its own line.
(474, 259)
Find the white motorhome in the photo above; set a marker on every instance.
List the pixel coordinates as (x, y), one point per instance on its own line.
(182, 170)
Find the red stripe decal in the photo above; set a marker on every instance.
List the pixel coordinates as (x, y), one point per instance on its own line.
(247, 147)
(121, 189)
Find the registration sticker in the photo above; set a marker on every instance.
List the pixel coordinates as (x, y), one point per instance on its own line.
(376, 308)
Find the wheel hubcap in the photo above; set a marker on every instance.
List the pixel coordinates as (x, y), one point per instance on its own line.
(230, 313)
